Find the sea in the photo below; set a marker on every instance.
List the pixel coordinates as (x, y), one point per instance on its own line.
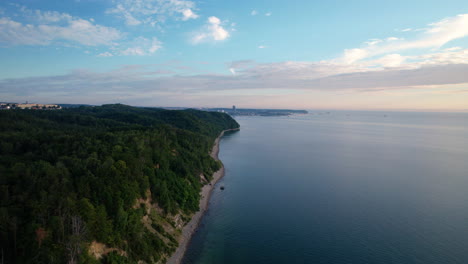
(340, 187)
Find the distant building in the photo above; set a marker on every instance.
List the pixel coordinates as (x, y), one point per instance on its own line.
(38, 106)
(234, 108)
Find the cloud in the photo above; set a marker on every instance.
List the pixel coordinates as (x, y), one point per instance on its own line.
(373, 42)
(140, 46)
(54, 28)
(212, 31)
(255, 12)
(453, 49)
(138, 51)
(391, 60)
(136, 12)
(262, 47)
(124, 13)
(138, 82)
(354, 55)
(435, 36)
(389, 71)
(380, 66)
(105, 54)
(51, 16)
(445, 57)
(188, 14)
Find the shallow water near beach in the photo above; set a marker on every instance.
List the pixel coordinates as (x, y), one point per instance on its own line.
(340, 187)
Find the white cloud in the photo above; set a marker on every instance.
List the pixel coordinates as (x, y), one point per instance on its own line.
(133, 51)
(189, 14)
(262, 47)
(446, 57)
(214, 20)
(353, 55)
(213, 31)
(51, 16)
(382, 64)
(140, 47)
(130, 20)
(429, 71)
(136, 12)
(105, 54)
(372, 42)
(392, 70)
(453, 49)
(155, 45)
(255, 12)
(76, 30)
(137, 82)
(435, 36)
(391, 60)
(53, 28)
(125, 14)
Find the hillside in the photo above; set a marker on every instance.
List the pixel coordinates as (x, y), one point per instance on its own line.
(110, 184)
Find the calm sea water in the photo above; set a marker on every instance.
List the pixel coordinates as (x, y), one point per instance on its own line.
(343, 187)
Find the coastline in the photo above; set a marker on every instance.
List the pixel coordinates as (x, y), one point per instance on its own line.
(189, 229)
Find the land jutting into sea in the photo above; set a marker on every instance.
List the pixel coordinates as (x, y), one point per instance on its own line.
(105, 184)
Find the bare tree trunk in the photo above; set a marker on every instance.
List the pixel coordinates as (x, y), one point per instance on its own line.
(78, 232)
(14, 226)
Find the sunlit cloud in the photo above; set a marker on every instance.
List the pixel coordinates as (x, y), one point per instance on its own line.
(212, 31)
(435, 35)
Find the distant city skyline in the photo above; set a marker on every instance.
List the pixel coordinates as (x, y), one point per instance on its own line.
(362, 55)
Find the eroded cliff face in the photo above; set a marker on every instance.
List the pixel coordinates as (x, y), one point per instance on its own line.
(166, 226)
(99, 250)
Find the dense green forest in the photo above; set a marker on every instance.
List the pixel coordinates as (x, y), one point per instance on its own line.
(73, 177)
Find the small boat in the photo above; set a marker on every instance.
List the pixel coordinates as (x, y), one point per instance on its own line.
(222, 187)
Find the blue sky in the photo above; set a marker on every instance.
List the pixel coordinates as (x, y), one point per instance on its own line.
(295, 54)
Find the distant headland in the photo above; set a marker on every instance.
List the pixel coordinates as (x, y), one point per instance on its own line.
(248, 111)
(257, 112)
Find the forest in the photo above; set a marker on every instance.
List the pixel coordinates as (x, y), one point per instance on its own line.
(78, 177)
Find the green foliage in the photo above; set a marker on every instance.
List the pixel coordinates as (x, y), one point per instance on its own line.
(73, 176)
(114, 258)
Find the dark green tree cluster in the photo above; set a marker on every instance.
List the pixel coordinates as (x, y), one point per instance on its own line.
(73, 176)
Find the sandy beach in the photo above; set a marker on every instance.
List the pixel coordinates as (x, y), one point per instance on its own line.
(191, 227)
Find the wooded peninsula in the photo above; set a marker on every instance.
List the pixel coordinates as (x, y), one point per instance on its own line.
(107, 184)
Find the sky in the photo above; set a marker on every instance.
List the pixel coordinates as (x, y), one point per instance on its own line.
(381, 55)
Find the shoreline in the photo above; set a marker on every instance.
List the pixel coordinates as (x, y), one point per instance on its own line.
(189, 229)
